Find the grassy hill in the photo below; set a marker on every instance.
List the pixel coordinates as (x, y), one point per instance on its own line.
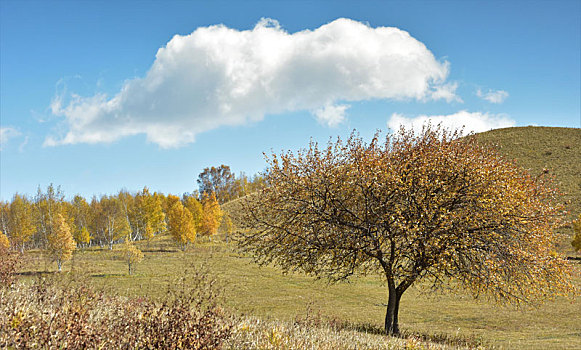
(556, 151)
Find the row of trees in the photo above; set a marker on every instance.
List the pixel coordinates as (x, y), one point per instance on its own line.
(48, 220)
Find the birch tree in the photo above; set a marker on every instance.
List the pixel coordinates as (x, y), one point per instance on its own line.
(60, 241)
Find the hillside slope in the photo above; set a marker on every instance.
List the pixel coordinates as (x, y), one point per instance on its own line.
(545, 149)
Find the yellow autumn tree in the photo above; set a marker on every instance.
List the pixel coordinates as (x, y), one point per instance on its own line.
(432, 206)
(4, 242)
(60, 241)
(131, 254)
(211, 215)
(181, 224)
(576, 243)
(195, 207)
(150, 216)
(83, 237)
(20, 223)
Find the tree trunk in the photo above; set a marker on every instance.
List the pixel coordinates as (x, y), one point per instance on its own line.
(129, 268)
(59, 264)
(391, 315)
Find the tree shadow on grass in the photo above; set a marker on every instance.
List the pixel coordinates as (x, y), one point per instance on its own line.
(103, 275)
(35, 273)
(160, 250)
(470, 341)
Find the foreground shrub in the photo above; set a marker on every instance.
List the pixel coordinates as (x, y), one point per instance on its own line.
(9, 262)
(53, 314)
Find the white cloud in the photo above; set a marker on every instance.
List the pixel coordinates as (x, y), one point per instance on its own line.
(446, 92)
(491, 96)
(219, 76)
(469, 121)
(7, 133)
(331, 115)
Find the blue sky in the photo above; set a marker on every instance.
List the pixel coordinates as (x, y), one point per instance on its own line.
(98, 96)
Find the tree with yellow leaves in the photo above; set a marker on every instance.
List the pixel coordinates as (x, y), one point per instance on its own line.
(60, 241)
(576, 243)
(20, 221)
(195, 207)
(4, 242)
(180, 223)
(150, 216)
(131, 254)
(433, 207)
(211, 215)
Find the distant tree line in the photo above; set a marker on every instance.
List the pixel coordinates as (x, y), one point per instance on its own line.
(49, 221)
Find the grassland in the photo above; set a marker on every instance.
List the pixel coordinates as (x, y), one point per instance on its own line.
(556, 151)
(251, 291)
(269, 303)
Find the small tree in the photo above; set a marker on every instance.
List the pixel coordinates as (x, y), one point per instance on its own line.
(60, 241)
(211, 216)
(576, 243)
(432, 206)
(131, 254)
(181, 225)
(4, 243)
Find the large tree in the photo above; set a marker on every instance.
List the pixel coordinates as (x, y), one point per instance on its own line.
(218, 180)
(430, 206)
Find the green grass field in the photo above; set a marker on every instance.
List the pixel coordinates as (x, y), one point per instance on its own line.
(270, 295)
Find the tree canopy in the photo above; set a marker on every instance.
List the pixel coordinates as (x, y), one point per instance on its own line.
(432, 206)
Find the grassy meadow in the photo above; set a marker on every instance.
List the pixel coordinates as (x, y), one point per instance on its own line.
(273, 310)
(265, 293)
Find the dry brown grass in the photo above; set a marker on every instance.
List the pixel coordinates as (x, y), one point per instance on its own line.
(60, 313)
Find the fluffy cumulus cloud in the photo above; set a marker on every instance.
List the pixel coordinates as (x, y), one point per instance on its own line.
(492, 96)
(220, 76)
(469, 121)
(331, 115)
(7, 133)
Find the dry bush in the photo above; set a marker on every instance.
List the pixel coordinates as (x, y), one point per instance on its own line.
(52, 313)
(9, 262)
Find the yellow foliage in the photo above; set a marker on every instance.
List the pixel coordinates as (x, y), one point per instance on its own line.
(431, 205)
(60, 241)
(131, 254)
(4, 242)
(212, 214)
(181, 224)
